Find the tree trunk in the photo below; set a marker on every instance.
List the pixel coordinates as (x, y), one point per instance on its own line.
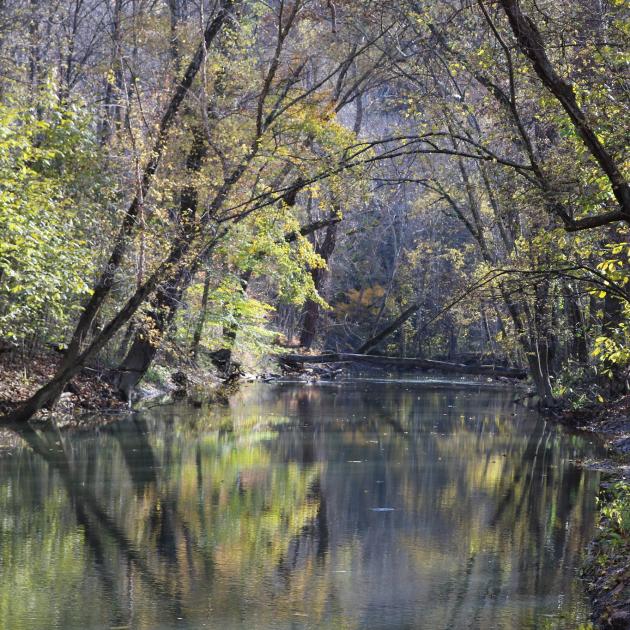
(201, 320)
(105, 283)
(319, 275)
(147, 339)
(126, 340)
(52, 390)
(532, 45)
(538, 368)
(166, 301)
(578, 345)
(389, 329)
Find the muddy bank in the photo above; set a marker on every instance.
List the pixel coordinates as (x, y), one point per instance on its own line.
(90, 393)
(20, 378)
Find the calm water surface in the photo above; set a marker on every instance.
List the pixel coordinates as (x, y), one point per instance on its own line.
(359, 505)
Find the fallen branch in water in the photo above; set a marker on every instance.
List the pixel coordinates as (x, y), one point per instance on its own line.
(295, 360)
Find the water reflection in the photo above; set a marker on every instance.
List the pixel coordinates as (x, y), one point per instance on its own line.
(370, 505)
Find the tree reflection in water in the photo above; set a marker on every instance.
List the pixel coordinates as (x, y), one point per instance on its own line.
(262, 515)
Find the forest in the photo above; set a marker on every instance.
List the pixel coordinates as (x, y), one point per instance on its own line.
(441, 180)
(204, 193)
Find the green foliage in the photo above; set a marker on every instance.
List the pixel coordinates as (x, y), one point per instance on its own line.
(50, 191)
(569, 385)
(232, 309)
(612, 347)
(157, 375)
(607, 565)
(616, 512)
(261, 246)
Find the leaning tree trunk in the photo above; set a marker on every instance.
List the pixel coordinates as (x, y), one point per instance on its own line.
(128, 226)
(53, 388)
(531, 44)
(146, 341)
(389, 329)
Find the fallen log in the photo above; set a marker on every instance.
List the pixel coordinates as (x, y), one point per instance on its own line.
(293, 360)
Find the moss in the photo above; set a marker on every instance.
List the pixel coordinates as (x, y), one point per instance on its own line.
(157, 375)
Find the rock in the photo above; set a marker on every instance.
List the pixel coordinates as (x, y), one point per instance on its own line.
(180, 379)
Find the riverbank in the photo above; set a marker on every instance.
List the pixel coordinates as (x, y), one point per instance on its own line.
(607, 571)
(20, 378)
(91, 392)
(607, 568)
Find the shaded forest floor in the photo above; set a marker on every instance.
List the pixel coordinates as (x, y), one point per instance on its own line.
(19, 378)
(92, 392)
